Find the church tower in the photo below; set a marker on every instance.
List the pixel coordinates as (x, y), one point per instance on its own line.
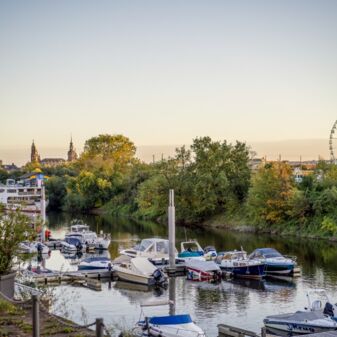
(72, 155)
(34, 155)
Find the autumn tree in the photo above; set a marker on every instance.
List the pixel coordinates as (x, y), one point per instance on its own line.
(272, 187)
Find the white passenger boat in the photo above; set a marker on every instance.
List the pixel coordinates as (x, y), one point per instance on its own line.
(33, 247)
(23, 195)
(140, 270)
(198, 270)
(156, 250)
(167, 326)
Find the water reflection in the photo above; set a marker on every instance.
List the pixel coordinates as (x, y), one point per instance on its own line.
(242, 303)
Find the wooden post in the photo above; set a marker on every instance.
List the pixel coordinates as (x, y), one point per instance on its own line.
(263, 332)
(36, 316)
(99, 327)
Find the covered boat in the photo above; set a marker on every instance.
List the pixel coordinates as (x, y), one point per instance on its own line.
(276, 263)
(168, 326)
(72, 244)
(33, 247)
(95, 262)
(140, 270)
(237, 263)
(300, 322)
(198, 270)
(191, 250)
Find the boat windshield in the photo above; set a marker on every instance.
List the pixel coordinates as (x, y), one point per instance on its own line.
(191, 247)
(268, 253)
(144, 245)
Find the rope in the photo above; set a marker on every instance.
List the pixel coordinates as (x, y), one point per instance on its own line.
(62, 320)
(13, 301)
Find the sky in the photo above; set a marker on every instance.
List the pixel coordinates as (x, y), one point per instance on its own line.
(165, 72)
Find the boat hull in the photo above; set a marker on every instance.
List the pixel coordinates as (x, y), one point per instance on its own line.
(255, 272)
(296, 328)
(279, 269)
(134, 278)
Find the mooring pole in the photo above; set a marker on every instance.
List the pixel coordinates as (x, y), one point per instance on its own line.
(43, 211)
(36, 316)
(172, 296)
(99, 327)
(172, 231)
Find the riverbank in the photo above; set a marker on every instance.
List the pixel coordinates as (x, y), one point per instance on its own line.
(238, 223)
(16, 320)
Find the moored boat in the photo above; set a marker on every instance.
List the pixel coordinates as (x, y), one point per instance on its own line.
(154, 249)
(191, 250)
(237, 263)
(33, 247)
(95, 262)
(167, 326)
(276, 263)
(140, 270)
(203, 271)
(300, 322)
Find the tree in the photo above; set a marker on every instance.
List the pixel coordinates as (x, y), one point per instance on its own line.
(272, 187)
(56, 191)
(14, 228)
(117, 149)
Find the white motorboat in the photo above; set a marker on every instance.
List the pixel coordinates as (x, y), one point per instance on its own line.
(95, 262)
(191, 250)
(87, 237)
(154, 249)
(203, 271)
(167, 326)
(33, 247)
(72, 244)
(210, 253)
(140, 270)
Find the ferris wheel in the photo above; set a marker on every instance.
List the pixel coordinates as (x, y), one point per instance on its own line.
(333, 144)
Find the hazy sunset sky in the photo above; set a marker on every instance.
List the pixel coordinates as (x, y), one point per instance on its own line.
(164, 72)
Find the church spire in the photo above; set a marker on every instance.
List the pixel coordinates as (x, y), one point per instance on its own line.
(72, 155)
(34, 155)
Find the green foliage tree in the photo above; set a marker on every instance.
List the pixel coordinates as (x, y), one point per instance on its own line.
(56, 192)
(14, 228)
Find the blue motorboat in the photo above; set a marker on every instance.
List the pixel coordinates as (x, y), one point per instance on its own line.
(276, 263)
(239, 265)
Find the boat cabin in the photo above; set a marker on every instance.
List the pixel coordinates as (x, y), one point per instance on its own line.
(232, 255)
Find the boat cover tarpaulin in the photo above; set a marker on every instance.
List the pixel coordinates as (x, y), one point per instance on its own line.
(205, 266)
(143, 265)
(298, 316)
(171, 320)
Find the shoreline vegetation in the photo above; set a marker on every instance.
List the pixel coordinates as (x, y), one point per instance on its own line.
(215, 186)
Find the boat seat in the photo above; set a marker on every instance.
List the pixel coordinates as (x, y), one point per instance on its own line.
(316, 305)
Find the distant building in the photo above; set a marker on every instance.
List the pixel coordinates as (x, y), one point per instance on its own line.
(51, 162)
(34, 155)
(72, 155)
(9, 168)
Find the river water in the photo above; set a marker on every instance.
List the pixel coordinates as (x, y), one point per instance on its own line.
(238, 303)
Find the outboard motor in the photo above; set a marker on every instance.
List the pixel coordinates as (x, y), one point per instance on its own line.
(328, 309)
(159, 277)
